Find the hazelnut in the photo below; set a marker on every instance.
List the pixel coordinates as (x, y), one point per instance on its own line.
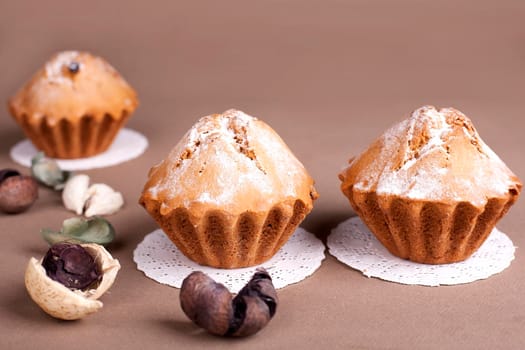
(17, 192)
(210, 305)
(5, 173)
(66, 303)
(71, 265)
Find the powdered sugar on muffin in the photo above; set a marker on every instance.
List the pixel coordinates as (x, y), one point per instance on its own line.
(430, 139)
(212, 147)
(230, 193)
(429, 188)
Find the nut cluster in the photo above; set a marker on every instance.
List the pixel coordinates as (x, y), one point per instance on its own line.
(210, 305)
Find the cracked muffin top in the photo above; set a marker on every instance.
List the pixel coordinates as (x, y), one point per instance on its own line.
(434, 155)
(74, 84)
(229, 161)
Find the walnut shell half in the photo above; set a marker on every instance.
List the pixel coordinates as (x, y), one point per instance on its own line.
(62, 302)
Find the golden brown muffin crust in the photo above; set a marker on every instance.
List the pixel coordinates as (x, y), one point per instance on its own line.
(429, 188)
(433, 155)
(230, 162)
(230, 193)
(74, 106)
(58, 90)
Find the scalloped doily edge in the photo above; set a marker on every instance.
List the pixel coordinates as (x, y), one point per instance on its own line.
(315, 249)
(432, 275)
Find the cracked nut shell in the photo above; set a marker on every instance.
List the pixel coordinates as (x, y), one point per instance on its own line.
(94, 200)
(61, 302)
(210, 305)
(17, 192)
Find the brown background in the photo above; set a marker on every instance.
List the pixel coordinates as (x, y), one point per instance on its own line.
(329, 76)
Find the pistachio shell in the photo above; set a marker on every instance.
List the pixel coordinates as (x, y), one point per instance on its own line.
(97, 199)
(63, 303)
(79, 230)
(47, 172)
(53, 237)
(99, 231)
(102, 200)
(75, 226)
(75, 193)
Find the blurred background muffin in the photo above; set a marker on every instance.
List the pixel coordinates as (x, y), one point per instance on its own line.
(74, 106)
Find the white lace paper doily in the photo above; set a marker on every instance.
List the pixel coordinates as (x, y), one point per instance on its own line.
(353, 244)
(163, 262)
(128, 144)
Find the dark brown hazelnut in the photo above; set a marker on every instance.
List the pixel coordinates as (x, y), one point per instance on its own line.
(71, 265)
(17, 192)
(5, 173)
(211, 306)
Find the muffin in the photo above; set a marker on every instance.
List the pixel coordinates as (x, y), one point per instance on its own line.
(230, 193)
(429, 188)
(74, 106)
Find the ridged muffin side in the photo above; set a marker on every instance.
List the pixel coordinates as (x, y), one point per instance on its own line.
(425, 231)
(68, 139)
(220, 239)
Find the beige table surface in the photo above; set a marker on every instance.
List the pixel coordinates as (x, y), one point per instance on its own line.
(329, 76)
